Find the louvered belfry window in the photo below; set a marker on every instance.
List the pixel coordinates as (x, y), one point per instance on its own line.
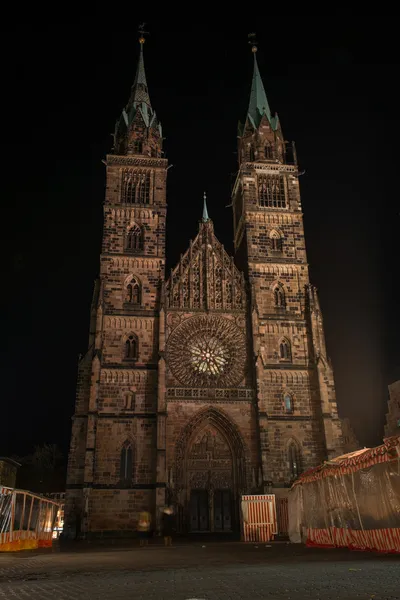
(271, 191)
(135, 187)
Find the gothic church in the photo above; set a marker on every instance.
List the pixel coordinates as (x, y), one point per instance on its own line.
(213, 381)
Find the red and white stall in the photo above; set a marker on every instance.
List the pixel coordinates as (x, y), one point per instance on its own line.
(259, 523)
(351, 501)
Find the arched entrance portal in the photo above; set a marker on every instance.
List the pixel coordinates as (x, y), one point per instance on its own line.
(210, 474)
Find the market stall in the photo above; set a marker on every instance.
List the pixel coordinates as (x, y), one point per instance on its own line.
(352, 501)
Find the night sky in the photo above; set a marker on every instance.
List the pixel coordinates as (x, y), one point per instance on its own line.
(333, 83)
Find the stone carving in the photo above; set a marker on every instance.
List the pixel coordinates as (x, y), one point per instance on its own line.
(216, 394)
(210, 461)
(207, 351)
(136, 160)
(206, 277)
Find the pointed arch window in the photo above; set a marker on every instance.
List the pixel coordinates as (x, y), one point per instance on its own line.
(134, 239)
(135, 185)
(288, 402)
(271, 191)
(279, 297)
(138, 146)
(126, 463)
(131, 348)
(294, 460)
(275, 241)
(268, 154)
(133, 292)
(251, 154)
(284, 350)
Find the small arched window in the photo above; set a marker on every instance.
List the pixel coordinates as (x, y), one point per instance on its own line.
(284, 350)
(275, 241)
(131, 348)
(288, 402)
(133, 292)
(251, 154)
(294, 460)
(138, 146)
(268, 151)
(134, 239)
(126, 463)
(279, 297)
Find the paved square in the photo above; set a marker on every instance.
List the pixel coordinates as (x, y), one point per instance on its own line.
(203, 571)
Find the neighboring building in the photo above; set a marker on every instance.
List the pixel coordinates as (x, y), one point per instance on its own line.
(8, 471)
(392, 426)
(212, 382)
(350, 441)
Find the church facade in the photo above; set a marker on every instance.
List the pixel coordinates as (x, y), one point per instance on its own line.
(213, 381)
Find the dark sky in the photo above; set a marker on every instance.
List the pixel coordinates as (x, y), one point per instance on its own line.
(333, 83)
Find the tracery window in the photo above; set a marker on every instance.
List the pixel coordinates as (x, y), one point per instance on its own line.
(208, 355)
(126, 463)
(288, 402)
(131, 348)
(279, 297)
(133, 295)
(271, 191)
(134, 239)
(294, 460)
(284, 350)
(135, 187)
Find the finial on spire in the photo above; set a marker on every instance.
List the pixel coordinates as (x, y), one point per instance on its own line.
(142, 33)
(253, 42)
(205, 211)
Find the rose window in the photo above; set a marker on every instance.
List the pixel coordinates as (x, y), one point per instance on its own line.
(207, 351)
(208, 355)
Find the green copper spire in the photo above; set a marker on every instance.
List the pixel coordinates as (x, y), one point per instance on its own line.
(205, 211)
(140, 91)
(258, 105)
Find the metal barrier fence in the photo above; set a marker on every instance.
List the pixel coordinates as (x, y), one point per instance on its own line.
(26, 520)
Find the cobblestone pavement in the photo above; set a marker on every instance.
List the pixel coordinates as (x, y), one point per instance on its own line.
(210, 571)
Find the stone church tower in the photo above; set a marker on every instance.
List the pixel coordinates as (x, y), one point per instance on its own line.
(212, 382)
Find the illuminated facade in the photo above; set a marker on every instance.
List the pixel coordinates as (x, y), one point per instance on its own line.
(212, 382)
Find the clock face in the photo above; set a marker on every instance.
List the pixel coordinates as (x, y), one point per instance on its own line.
(207, 351)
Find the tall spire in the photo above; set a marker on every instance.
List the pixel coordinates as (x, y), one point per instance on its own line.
(205, 211)
(140, 91)
(258, 105)
(138, 131)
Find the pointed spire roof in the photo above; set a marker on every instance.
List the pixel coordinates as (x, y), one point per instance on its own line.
(258, 105)
(140, 91)
(205, 211)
